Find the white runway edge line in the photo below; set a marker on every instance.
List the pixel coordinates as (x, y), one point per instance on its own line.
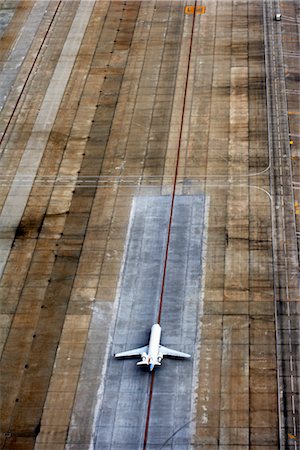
(197, 354)
(17, 198)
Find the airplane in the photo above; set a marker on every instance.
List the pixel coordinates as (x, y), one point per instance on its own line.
(153, 353)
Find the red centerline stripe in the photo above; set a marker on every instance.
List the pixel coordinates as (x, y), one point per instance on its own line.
(170, 223)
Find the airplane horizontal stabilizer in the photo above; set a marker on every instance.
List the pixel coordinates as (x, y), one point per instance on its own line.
(142, 363)
(145, 363)
(169, 352)
(135, 352)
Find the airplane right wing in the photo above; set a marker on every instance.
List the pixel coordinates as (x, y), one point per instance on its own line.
(169, 352)
(135, 352)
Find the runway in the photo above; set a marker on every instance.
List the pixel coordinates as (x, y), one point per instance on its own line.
(108, 111)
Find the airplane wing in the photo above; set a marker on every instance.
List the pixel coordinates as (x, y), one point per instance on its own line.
(169, 352)
(134, 352)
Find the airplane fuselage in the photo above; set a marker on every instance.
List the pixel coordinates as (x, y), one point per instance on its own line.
(154, 358)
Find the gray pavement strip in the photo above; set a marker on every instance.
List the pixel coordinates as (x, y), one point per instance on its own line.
(121, 414)
(5, 17)
(20, 49)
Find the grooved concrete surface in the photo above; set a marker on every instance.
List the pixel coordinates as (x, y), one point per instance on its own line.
(122, 415)
(15, 203)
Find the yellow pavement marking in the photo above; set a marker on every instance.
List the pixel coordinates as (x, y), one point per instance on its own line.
(297, 207)
(191, 9)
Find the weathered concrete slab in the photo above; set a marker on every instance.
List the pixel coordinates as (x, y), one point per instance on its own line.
(12, 66)
(33, 153)
(122, 415)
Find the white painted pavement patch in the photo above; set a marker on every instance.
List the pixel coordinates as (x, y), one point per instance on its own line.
(123, 394)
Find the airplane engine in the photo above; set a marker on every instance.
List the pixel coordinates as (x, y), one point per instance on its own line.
(160, 357)
(144, 356)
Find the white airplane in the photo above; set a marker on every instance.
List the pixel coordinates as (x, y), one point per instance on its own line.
(153, 353)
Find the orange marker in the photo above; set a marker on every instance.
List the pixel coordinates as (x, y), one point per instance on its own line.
(200, 9)
(191, 9)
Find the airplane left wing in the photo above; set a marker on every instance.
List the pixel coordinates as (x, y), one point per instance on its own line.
(135, 352)
(169, 352)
